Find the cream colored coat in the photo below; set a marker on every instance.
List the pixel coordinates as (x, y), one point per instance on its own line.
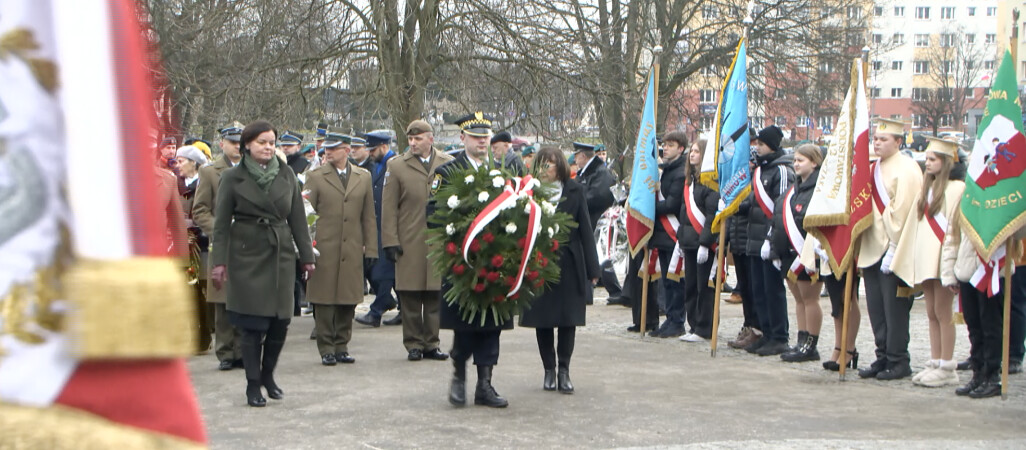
(919, 245)
(346, 233)
(903, 180)
(959, 259)
(404, 219)
(203, 214)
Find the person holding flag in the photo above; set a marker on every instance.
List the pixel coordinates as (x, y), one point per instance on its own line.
(897, 181)
(697, 239)
(664, 239)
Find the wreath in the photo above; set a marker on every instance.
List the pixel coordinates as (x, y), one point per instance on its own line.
(495, 237)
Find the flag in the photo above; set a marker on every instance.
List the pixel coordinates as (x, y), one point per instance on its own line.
(992, 204)
(841, 204)
(644, 177)
(727, 169)
(85, 269)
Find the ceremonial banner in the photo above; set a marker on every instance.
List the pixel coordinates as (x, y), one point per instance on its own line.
(725, 163)
(644, 177)
(841, 205)
(992, 204)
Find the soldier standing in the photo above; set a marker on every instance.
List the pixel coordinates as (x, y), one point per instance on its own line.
(382, 272)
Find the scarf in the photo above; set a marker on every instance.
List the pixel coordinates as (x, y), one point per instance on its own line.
(263, 177)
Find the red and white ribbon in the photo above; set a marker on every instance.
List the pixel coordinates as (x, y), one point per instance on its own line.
(938, 222)
(880, 196)
(793, 235)
(515, 189)
(761, 196)
(987, 277)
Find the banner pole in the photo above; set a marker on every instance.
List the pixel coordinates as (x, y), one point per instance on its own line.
(845, 310)
(1009, 261)
(645, 276)
(719, 287)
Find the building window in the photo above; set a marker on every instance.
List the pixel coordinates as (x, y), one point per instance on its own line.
(922, 40)
(923, 12)
(826, 67)
(755, 122)
(988, 65)
(920, 94)
(895, 92)
(986, 92)
(970, 38)
(991, 38)
(756, 70)
(878, 11)
(969, 92)
(895, 116)
(707, 123)
(965, 121)
(945, 94)
(877, 38)
(781, 67)
(948, 39)
(918, 120)
(874, 92)
(947, 67)
(824, 122)
(972, 11)
(921, 67)
(948, 13)
(991, 11)
(854, 12)
(896, 65)
(878, 66)
(778, 94)
(780, 121)
(946, 120)
(899, 11)
(899, 38)
(710, 12)
(802, 121)
(707, 96)
(707, 71)
(756, 95)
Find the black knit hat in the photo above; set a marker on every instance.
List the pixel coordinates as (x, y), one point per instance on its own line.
(771, 136)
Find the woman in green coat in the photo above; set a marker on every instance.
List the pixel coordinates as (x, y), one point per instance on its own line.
(259, 215)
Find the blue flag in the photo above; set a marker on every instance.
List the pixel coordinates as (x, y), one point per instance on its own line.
(644, 177)
(725, 163)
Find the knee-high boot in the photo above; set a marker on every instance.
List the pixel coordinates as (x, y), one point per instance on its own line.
(565, 349)
(485, 394)
(458, 385)
(272, 349)
(251, 348)
(548, 357)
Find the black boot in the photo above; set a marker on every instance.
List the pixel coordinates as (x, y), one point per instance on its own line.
(798, 342)
(485, 393)
(565, 386)
(545, 337)
(549, 382)
(458, 385)
(973, 383)
(806, 350)
(272, 349)
(990, 387)
(565, 349)
(251, 348)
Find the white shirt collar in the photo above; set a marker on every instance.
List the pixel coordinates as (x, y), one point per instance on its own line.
(593, 158)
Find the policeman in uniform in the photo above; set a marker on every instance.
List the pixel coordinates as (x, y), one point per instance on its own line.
(290, 142)
(382, 273)
(359, 153)
(226, 337)
(597, 181)
(404, 224)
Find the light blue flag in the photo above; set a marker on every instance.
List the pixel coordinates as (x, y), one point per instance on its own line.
(728, 170)
(644, 178)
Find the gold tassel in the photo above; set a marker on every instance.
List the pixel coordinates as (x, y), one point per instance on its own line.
(61, 427)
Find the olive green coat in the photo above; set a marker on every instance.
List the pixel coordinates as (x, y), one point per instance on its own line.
(404, 219)
(203, 214)
(253, 235)
(346, 233)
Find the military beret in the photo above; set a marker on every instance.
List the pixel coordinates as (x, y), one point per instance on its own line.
(418, 127)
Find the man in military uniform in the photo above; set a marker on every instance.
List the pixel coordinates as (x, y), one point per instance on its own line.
(382, 273)
(226, 337)
(477, 339)
(342, 195)
(290, 142)
(503, 154)
(359, 154)
(597, 181)
(404, 202)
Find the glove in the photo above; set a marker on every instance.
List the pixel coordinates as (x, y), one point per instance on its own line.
(703, 254)
(720, 206)
(393, 253)
(776, 263)
(218, 275)
(888, 258)
(308, 269)
(680, 251)
(764, 252)
(369, 262)
(818, 248)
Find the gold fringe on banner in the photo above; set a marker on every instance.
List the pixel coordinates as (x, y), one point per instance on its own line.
(59, 427)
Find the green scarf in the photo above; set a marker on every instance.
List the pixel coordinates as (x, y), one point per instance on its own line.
(262, 176)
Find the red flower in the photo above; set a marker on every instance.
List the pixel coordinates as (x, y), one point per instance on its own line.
(479, 288)
(450, 248)
(555, 245)
(538, 284)
(475, 246)
(497, 261)
(510, 280)
(488, 237)
(492, 277)
(482, 272)
(532, 275)
(543, 262)
(537, 254)
(498, 298)
(515, 296)
(522, 242)
(459, 269)
(314, 243)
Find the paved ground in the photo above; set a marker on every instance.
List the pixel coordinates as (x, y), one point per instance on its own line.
(631, 393)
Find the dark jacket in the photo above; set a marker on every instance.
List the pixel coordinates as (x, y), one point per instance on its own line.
(777, 177)
(780, 245)
(737, 234)
(671, 184)
(596, 180)
(368, 164)
(707, 201)
(297, 162)
(383, 268)
(449, 316)
(512, 162)
(254, 234)
(565, 303)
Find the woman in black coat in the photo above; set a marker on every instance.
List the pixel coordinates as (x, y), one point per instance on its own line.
(696, 239)
(564, 305)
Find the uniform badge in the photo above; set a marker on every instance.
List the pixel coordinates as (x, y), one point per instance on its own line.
(436, 183)
(387, 174)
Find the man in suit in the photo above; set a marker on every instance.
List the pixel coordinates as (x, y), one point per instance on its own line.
(597, 181)
(226, 337)
(343, 197)
(404, 202)
(382, 273)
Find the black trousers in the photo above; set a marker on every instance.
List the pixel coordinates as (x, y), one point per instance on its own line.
(634, 283)
(770, 298)
(1017, 323)
(698, 296)
(984, 319)
(482, 345)
(742, 286)
(888, 315)
(610, 281)
(260, 349)
(564, 348)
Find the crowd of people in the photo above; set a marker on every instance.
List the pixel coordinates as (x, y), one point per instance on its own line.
(250, 215)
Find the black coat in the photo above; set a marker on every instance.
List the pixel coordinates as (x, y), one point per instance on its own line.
(297, 162)
(777, 177)
(737, 233)
(597, 181)
(449, 316)
(565, 303)
(671, 184)
(780, 245)
(707, 201)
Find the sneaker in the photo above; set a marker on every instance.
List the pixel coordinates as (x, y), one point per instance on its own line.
(691, 337)
(944, 375)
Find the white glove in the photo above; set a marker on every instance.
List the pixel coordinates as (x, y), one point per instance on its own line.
(888, 258)
(680, 251)
(721, 206)
(764, 252)
(818, 248)
(776, 263)
(703, 254)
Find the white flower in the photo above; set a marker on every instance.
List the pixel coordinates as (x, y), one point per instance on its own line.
(482, 197)
(511, 228)
(527, 208)
(450, 229)
(494, 172)
(453, 202)
(548, 208)
(551, 232)
(469, 179)
(498, 182)
(557, 227)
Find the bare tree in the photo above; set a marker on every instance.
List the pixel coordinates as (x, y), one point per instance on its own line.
(953, 66)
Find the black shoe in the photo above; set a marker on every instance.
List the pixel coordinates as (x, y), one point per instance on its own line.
(549, 382)
(238, 364)
(671, 329)
(971, 386)
(253, 396)
(989, 388)
(835, 367)
(485, 394)
(757, 345)
(1014, 367)
(436, 355)
(621, 301)
(895, 373)
(369, 320)
(226, 365)
(964, 365)
(658, 331)
(634, 329)
(397, 320)
(726, 289)
(563, 377)
(272, 350)
(415, 355)
(806, 350)
(870, 372)
(772, 348)
(344, 358)
(328, 360)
